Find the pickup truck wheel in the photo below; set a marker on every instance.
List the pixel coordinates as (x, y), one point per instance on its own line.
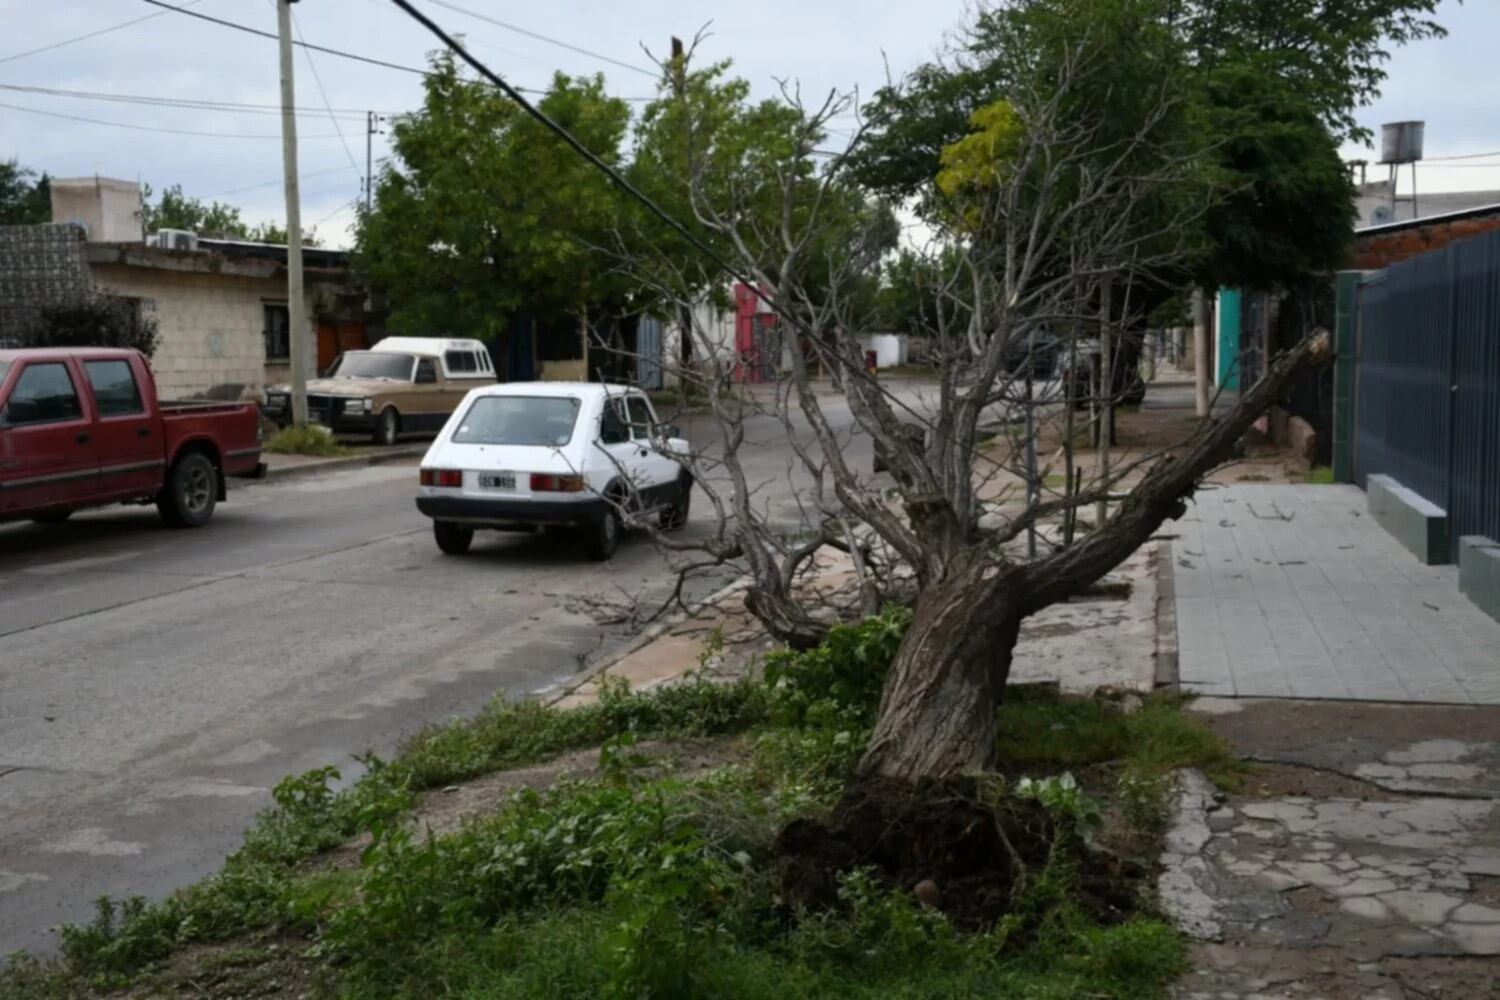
(453, 539)
(675, 517)
(191, 493)
(388, 426)
(601, 538)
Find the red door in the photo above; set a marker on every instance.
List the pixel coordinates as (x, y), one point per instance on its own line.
(127, 439)
(46, 441)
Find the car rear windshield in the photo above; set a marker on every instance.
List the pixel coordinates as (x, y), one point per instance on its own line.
(544, 421)
(373, 364)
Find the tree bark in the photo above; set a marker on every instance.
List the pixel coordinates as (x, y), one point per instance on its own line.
(937, 713)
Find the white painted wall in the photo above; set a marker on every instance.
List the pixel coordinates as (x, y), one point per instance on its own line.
(889, 348)
(108, 209)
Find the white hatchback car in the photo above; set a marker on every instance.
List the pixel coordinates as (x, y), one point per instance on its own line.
(523, 455)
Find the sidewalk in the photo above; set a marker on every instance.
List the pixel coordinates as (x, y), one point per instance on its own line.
(1292, 591)
(280, 466)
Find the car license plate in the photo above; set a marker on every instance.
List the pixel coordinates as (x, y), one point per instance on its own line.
(498, 481)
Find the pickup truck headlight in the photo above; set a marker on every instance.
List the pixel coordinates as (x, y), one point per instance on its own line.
(356, 406)
(276, 400)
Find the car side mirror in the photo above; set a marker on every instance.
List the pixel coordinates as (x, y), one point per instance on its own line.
(21, 411)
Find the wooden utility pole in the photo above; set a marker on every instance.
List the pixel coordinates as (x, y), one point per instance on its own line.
(296, 310)
(1202, 372)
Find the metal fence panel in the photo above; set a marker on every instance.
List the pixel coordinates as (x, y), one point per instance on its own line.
(1427, 381)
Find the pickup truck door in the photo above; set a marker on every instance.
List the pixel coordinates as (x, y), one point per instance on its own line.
(128, 437)
(47, 456)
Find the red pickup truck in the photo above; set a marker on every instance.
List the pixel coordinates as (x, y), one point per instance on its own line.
(82, 427)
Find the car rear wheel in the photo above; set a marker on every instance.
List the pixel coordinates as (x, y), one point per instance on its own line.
(191, 493)
(388, 426)
(453, 539)
(601, 538)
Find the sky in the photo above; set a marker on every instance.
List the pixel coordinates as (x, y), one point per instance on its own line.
(818, 44)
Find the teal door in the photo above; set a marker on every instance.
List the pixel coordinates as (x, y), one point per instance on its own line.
(1229, 338)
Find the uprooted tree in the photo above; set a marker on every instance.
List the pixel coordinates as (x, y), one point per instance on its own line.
(1074, 207)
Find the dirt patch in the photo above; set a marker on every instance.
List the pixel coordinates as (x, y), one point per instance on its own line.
(1277, 780)
(971, 856)
(258, 965)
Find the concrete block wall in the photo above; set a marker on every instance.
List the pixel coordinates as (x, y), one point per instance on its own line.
(1479, 572)
(210, 326)
(1416, 523)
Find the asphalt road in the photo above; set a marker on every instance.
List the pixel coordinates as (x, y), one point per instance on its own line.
(155, 684)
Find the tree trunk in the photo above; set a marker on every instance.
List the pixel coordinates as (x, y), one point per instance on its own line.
(937, 713)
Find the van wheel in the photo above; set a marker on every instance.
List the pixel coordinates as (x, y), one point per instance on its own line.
(453, 539)
(601, 538)
(675, 517)
(388, 426)
(191, 492)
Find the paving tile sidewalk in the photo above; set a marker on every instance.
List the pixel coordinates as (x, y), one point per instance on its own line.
(1293, 591)
(1360, 862)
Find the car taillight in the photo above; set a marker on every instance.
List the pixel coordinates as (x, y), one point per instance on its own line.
(543, 483)
(442, 477)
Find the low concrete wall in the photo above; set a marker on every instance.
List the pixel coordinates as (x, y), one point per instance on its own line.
(1479, 572)
(1418, 524)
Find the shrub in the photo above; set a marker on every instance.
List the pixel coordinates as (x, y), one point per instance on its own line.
(308, 439)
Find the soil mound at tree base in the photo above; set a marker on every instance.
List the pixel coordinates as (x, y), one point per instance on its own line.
(974, 855)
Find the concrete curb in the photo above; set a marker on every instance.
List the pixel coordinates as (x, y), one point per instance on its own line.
(651, 633)
(381, 457)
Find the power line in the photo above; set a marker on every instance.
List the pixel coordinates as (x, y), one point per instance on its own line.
(84, 38)
(179, 102)
(341, 53)
(153, 128)
(324, 94)
(545, 38)
(1464, 156)
(278, 181)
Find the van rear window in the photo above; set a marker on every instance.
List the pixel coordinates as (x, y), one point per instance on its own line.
(542, 421)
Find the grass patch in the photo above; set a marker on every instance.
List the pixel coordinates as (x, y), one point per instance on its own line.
(1321, 474)
(308, 439)
(641, 881)
(1040, 728)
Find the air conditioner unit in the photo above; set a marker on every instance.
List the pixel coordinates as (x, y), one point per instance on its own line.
(173, 239)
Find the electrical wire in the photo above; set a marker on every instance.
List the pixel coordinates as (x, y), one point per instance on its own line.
(277, 182)
(350, 114)
(324, 94)
(1462, 156)
(341, 53)
(84, 38)
(154, 128)
(654, 74)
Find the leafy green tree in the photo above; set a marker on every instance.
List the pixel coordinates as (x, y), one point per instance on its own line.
(175, 210)
(25, 198)
(1269, 90)
(483, 212)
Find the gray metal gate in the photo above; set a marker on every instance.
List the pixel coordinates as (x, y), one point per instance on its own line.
(648, 346)
(1427, 381)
